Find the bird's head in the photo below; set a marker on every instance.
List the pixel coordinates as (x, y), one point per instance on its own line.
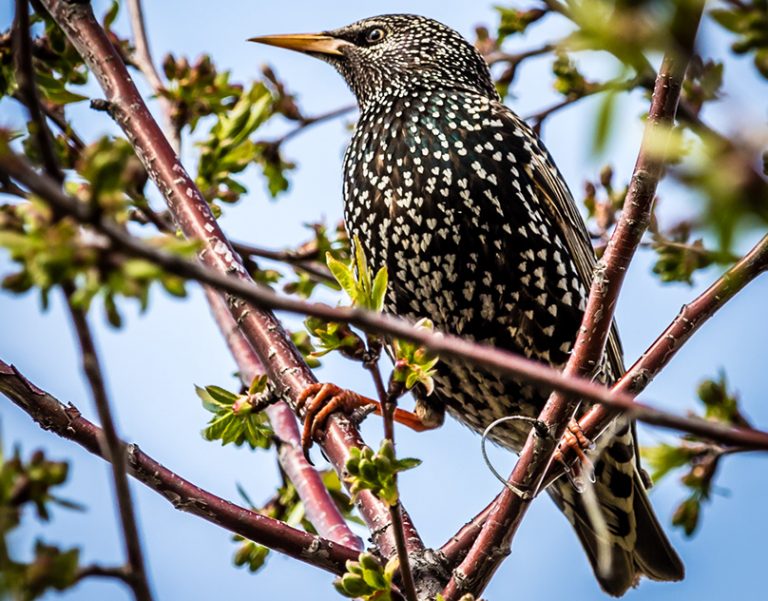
(392, 54)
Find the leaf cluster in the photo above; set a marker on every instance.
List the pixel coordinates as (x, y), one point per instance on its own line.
(238, 418)
(355, 279)
(52, 252)
(749, 21)
(31, 483)
(376, 472)
(365, 291)
(415, 364)
(516, 21)
(699, 459)
(367, 579)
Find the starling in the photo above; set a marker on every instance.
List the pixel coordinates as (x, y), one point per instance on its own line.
(459, 199)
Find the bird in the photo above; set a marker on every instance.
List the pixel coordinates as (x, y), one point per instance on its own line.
(460, 200)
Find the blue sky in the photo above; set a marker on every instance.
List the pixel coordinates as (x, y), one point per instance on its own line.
(153, 362)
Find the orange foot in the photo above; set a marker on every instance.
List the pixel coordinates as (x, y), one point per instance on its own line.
(321, 400)
(575, 440)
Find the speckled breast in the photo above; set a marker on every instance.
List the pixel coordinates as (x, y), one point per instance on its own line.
(437, 189)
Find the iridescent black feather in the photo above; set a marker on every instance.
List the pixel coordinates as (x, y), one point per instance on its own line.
(459, 199)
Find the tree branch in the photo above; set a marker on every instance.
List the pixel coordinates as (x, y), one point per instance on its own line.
(25, 78)
(493, 542)
(445, 345)
(287, 370)
(306, 122)
(66, 421)
(113, 450)
(143, 60)
(321, 511)
(691, 317)
(119, 573)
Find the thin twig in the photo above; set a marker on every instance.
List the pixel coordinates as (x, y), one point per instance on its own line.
(25, 78)
(306, 122)
(498, 56)
(120, 573)
(537, 119)
(66, 421)
(445, 345)
(388, 402)
(143, 61)
(113, 449)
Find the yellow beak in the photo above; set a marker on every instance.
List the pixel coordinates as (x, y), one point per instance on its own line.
(304, 42)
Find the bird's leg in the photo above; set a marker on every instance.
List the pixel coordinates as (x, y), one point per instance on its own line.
(575, 440)
(321, 400)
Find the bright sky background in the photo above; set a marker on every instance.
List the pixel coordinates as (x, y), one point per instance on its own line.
(154, 361)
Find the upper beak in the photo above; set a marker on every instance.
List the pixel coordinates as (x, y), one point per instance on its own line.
(304, 42)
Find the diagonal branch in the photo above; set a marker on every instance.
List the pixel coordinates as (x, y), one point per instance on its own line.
(66, 421)
(691, 317)
(288, 372)
(445, 345)
(493, 542)
(25, 78)
(321, 511)
(113, 449)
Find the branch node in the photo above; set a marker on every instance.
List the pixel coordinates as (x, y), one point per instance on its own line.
(99, 104)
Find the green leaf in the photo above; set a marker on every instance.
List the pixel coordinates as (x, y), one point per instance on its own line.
(376, 472)
(664, 458)
(54, 91)
(379, 290)
(605, 118)
(687, 515)
(234, 420)
(365, 579)
(343, 274)
(111, 15)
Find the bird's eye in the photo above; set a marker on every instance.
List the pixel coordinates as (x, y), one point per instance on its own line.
(375, 34)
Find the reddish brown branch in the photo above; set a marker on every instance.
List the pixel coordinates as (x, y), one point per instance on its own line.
(143, 60)
(320, 509)
(493, 542)
(685, 325)
(288, 372)
(25, 79)
(66, 421)
(445, 345)
(691, 317)
(113, 450)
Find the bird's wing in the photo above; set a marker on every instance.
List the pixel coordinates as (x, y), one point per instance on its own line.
(558, 201)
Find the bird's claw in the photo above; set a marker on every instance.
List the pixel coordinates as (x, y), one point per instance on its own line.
(575, 440)
(319, 401)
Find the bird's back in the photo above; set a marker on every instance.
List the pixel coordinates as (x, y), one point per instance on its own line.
(461, 202)
(440, 188)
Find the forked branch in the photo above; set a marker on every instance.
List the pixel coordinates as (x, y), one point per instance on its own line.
(66, 421)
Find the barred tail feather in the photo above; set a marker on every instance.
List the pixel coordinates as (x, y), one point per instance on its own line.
(635, 542)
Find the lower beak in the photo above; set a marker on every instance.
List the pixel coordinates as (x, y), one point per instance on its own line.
(304, 42)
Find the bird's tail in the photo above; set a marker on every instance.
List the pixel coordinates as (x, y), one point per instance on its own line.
(632, 544)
